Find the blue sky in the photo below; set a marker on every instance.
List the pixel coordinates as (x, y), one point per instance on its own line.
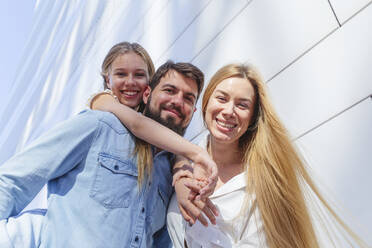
(15, 27)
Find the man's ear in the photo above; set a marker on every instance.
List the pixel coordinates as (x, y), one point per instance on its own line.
(146, 94)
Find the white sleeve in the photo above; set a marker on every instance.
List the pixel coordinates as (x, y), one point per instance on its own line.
(175, 223)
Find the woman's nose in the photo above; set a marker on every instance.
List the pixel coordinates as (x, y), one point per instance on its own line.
(228, 109)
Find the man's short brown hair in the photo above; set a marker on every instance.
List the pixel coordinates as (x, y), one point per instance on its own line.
(186, 69)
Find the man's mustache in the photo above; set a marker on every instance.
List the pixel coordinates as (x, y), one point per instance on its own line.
(174, 107)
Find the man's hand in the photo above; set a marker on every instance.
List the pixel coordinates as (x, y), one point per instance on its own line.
(192, 210)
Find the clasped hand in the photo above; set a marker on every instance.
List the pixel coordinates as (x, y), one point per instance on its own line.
(193, 186)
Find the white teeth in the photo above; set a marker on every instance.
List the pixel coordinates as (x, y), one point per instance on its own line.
(130, 93)
(226, 125)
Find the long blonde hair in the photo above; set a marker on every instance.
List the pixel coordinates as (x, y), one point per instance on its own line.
(276, 173)
(142, 150)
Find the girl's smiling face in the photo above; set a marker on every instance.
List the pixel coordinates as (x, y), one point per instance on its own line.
(230, 110)
(128, 78)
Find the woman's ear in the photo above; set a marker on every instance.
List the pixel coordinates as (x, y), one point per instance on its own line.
(146, 94)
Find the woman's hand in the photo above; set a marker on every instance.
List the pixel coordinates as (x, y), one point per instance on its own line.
(192, 210)
(205, 170)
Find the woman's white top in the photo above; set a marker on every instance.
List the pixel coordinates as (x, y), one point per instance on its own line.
(233, 228)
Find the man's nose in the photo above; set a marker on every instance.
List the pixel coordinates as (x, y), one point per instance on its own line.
(177, 99)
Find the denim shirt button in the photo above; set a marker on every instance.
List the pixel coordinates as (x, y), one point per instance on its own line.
(143, 210)
(116, 167)
(136, 239)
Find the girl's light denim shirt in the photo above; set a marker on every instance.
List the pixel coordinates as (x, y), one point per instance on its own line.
(93, 196)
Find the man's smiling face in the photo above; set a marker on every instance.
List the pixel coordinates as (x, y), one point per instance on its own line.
(172, 101)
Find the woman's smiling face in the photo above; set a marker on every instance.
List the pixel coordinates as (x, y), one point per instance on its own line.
(230, 109)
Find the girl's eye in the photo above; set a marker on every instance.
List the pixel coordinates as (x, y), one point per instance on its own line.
(140, 74)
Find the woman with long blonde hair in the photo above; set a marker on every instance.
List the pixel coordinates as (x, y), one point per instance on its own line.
(262, 189)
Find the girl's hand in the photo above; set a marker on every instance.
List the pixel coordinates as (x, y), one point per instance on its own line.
(103, 101)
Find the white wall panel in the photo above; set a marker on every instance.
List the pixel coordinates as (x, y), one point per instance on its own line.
(269, 34)
(344, 9)
(331, 77)
(137, 17)
(340, 157)
(210, 22)
(161, 32)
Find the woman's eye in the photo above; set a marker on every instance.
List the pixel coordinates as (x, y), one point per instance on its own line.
(221, 98)
(243, 106)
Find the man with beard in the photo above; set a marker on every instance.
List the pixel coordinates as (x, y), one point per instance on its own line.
(90, 165)
(174, 91)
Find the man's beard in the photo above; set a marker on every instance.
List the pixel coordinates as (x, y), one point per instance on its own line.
(169, 122)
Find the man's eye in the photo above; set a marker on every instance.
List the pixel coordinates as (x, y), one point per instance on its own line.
(190, 100)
